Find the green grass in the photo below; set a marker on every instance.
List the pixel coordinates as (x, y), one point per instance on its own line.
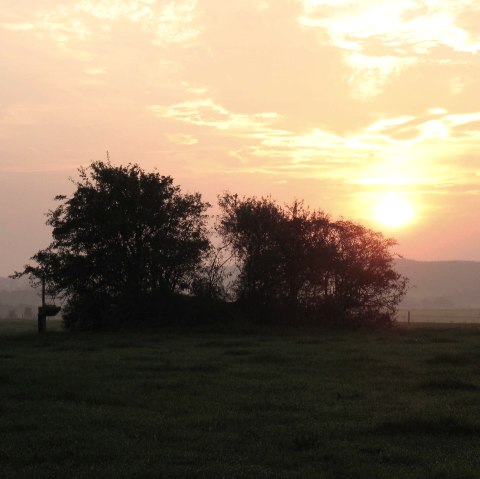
(244, 404)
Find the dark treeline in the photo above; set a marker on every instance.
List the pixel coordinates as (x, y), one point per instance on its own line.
(128, 246)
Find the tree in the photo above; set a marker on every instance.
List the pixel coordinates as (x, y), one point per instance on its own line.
(124, 244)
(251, 227)
(363, 284)
(210, 282)
(297, 263)
(278, 250)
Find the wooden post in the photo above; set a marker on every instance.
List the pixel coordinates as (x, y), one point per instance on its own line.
(409, 316)
(43, 290)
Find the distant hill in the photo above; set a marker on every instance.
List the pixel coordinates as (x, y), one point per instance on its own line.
(441, 284)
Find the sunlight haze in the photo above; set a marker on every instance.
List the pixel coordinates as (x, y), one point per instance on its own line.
(367, 110)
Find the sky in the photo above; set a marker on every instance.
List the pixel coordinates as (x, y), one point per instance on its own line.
(366, 110)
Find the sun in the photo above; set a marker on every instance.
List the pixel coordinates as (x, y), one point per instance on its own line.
(394, 210)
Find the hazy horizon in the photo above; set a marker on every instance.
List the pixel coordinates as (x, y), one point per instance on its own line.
(366, 110)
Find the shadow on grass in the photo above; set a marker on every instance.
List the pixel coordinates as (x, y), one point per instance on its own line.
(269, 358)
(166, 367)
(77, 348)
(303, 441)
(237, 352)
(450, 385)
(443, 340)
(314, 341)
(203, 368)
(7, 380)
(224, 344)
(6, 356)
(122, 344)
(455, 359)
(443, 426)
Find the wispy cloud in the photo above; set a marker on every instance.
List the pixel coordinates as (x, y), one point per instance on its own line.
(420, 25)
(205, 112)
(381, 38)
(182, 139)
(405, 151)
(167, 22)
(370, 73)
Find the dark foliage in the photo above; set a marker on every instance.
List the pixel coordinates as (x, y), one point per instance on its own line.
(124, 244)
(127, 245)
(298, 264)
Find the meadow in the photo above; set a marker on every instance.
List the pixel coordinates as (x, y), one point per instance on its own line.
(240, 402)
(471, 315)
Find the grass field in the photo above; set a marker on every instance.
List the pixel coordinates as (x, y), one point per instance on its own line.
(471, 315)
(403, 403)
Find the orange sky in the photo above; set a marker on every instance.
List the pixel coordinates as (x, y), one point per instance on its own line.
(337, 102)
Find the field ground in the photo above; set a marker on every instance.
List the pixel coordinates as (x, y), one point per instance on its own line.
(402, 403)
(440, 315)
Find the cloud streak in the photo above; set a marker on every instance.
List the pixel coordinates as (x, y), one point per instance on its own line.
(86, 20)
(381, 38)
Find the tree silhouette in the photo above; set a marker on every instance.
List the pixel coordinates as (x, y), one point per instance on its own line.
(250, 227)
(363, 284)
(298, 263)
(123, 245)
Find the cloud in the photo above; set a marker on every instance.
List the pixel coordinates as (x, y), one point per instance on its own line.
(421, 25)
(167, 22)
(381, 38)
(407, 152)
(436, 123)
(205, 112)
(181, 139)
(18, 27)
(370, 73)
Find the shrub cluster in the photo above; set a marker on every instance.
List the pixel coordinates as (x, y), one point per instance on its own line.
(127, 246)
(298, 264)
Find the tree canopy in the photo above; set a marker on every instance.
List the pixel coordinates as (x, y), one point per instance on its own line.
(298, 263)
(123, 243)
(127, 245)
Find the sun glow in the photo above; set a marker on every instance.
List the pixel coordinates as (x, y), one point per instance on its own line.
(393, 210)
